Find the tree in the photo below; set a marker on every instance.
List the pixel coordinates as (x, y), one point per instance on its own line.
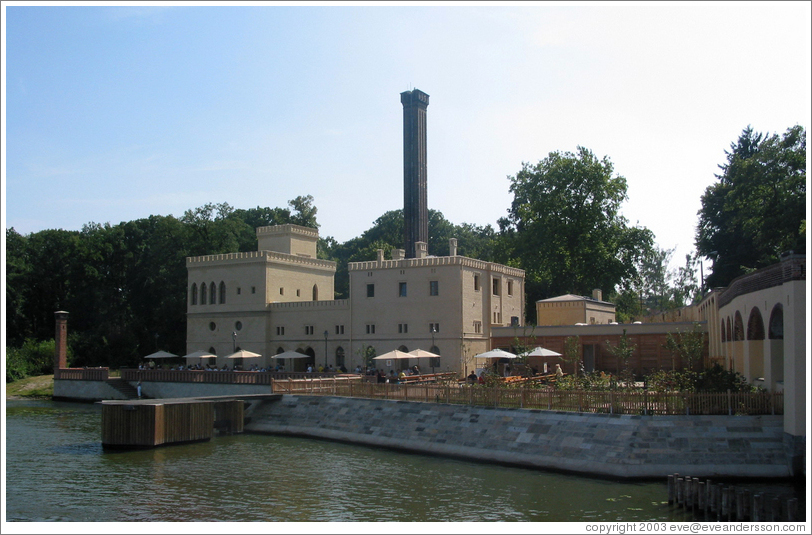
(572, 353)
(623, 352)
(756, 210)
(689, 346)
(565, 230)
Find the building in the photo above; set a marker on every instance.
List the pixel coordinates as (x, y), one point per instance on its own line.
(571, 309)
(281, 297)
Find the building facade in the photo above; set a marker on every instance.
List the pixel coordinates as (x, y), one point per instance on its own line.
(281, 299)
(572, 309)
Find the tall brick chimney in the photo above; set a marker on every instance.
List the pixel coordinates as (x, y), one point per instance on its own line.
(61, 341)
(415, 196)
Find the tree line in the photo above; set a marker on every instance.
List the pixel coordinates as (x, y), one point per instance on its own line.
(125, 285)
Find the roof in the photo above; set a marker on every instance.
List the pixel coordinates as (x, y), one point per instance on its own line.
(572, 297)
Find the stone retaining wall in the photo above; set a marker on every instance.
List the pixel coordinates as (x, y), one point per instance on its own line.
(622, 446)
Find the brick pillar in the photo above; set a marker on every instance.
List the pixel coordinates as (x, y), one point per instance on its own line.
(61, 341)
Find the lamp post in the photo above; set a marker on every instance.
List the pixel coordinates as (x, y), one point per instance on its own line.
(325, 350)
(433, 330)
(234, 341)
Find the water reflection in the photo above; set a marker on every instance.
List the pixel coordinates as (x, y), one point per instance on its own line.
(53, 451)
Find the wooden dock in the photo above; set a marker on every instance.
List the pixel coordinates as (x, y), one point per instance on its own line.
(148, 423)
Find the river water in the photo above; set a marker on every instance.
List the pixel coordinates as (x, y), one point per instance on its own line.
(57, 470)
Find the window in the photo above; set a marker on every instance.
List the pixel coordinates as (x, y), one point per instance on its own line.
(434, 327)
(434, 287)
(339, 329)
(281, 291)
(510, 287)
(222, 292)
(309, 329)
(495, 286)
(239, 291)
(478, 327)
(213, 294)
(403, 328)
(194, 293)
(238, 326)
(370, 328)
(212, 326)
(203, 294)
(280, 331)
(253, 289)
(476, 283)
(370, 290)
(401, 289)
(298, 293)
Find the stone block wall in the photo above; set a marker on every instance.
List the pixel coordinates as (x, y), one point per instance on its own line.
(623, 446)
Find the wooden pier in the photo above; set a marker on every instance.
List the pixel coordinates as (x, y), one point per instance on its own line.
(148, 423)
(720, 502)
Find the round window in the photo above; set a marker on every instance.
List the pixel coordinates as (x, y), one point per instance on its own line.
(212, 326)
(238, 325)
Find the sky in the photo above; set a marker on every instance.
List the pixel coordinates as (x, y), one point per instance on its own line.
(118, 112)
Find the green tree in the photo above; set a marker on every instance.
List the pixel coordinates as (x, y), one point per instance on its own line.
(689, 346)
(756, 209)
(565, 230)
(623, 352)
(572, 353)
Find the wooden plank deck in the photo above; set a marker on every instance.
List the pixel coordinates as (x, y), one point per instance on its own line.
(148, 423)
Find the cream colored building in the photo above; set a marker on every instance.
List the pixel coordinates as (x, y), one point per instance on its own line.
(280, 298)
(572, 309)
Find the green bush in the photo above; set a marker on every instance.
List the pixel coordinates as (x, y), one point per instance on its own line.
(714, 379)
(35, 357)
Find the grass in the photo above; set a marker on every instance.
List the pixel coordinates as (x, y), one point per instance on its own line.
(41, 386)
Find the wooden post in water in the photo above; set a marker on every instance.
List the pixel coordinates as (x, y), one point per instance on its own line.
(671, 481)
(700, 502)
(680, 491)
(775, 510)
(689, 493)
(756, 514)
(727, 494)
(792, 510)
(739, 499)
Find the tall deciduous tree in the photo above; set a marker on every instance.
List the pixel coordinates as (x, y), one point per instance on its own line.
(564, 227)
(755, 211)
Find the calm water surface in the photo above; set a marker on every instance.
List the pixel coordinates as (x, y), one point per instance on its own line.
(57, 470)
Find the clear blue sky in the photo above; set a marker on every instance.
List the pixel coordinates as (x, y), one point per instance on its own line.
(115, 113)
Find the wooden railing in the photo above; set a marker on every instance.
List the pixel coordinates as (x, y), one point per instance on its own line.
(82, 374)
(640, 403)
(220, 377)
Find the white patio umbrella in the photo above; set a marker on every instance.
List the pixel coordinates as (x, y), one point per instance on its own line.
(161, 355)
(422, 353)
(200, 355)
(290, 355)
(393, 355)
(243, 354)
(495, 354)
(542, 352)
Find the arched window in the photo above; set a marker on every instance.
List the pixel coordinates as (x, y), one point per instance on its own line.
(777, 323)
(222, 292)
(729, 331)
(339, 357)
(194, 293)
(213, 293)
(755, 325)
(724, 334)
(738, 327)
(203, 294)
(315, 292)
(403, 349)
(212, 351)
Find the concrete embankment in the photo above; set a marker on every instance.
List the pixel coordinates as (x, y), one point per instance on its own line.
(622, 446)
